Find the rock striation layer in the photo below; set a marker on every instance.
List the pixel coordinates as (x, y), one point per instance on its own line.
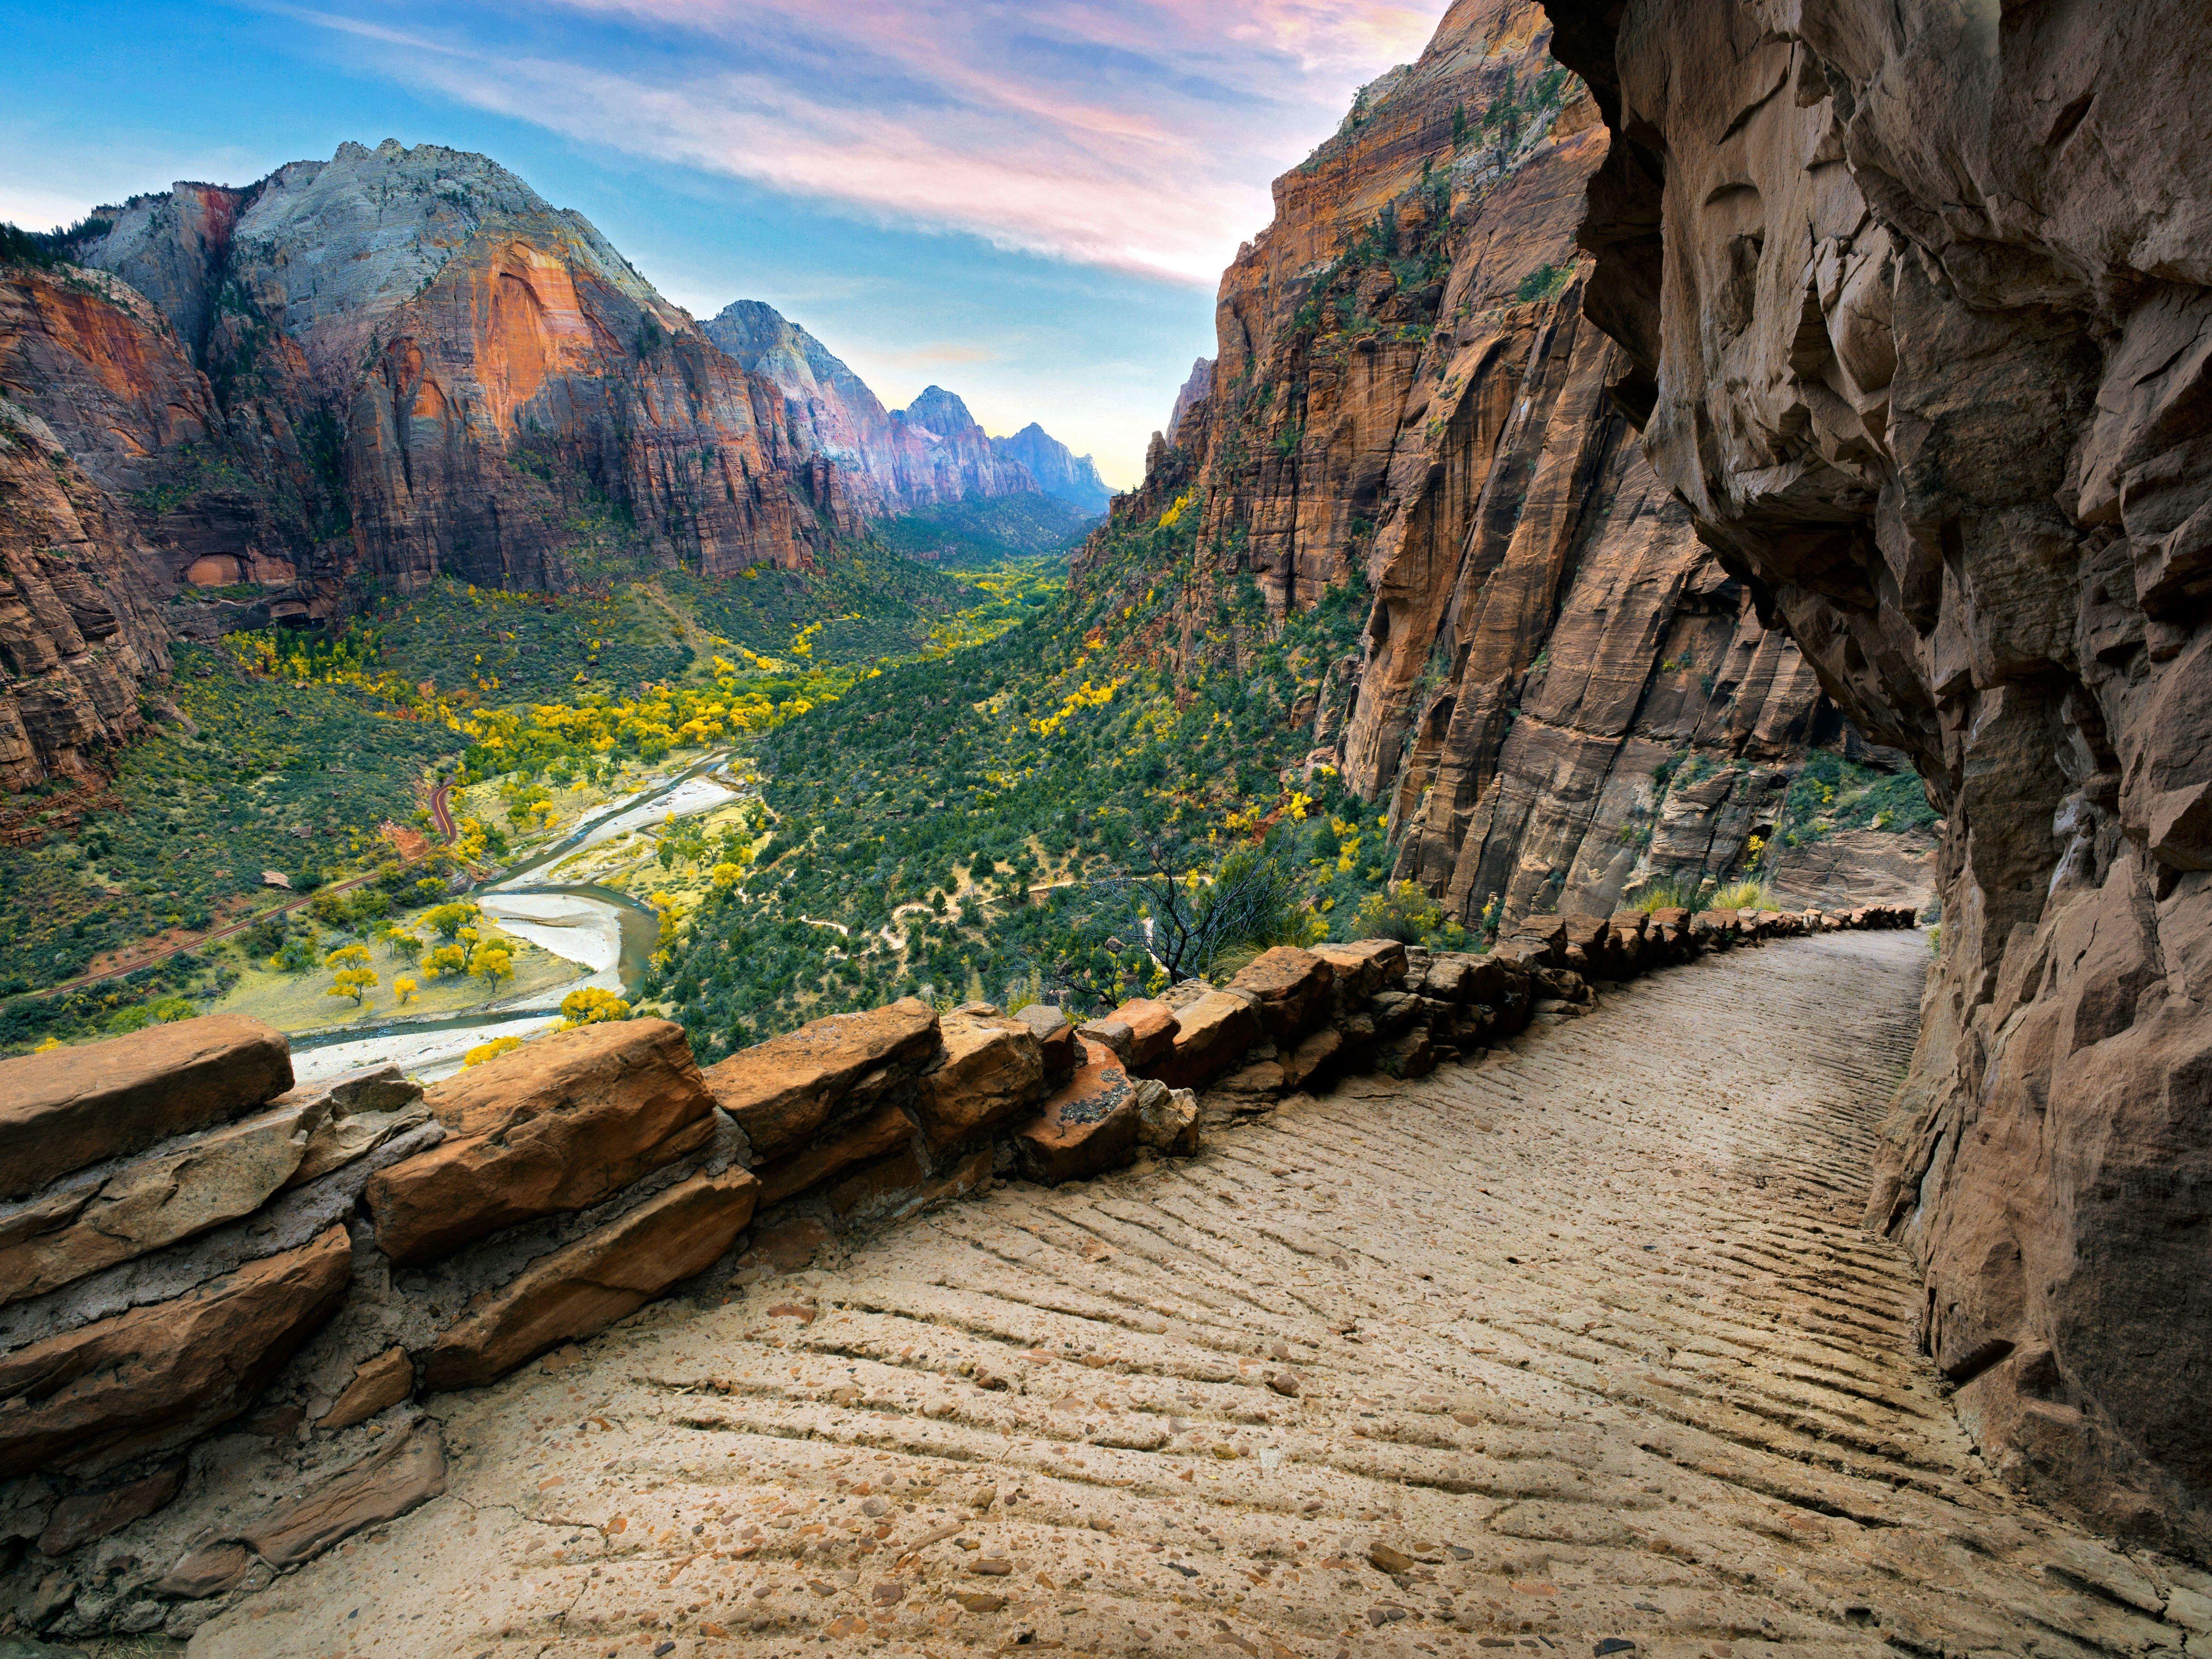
(1558, 694)
(1916, 305)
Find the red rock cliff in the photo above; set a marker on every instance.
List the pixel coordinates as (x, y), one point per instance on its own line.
(1917, 301)
(1559, 695)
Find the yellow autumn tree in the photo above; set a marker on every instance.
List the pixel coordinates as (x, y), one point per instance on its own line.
(354, 982)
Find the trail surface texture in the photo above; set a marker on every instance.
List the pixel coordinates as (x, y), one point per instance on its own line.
(1578, 1348)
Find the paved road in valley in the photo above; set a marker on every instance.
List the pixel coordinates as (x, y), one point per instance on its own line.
(1580, 1346)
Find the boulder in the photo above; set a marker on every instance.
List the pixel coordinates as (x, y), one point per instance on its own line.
(1211, 1035)
(1113, 1033)
(1168, 1119)
(1524, 953)
(1452, 976)
(1293, 987)
(989, 1068)
(361, 1112)
(1393, 1011)
(69, 1108)
(1363, 967)
(1092, 1124)
(157, 1376)
(552, 1127)
(1410, 1054)
(377, 1385)
(186, 1189)
(382, 1486)
(1245, 1092)
(1547, 932)
(1056, 1038)
(782, 1090)
(883, 1130)
(1152, 1030)
(583, 1288)
(207, 1569)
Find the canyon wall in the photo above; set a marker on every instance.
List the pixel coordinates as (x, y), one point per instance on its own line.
(81, 645)
(1559, 695)
(1915, 303)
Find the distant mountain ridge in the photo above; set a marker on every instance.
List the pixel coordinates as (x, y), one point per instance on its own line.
(932, 453)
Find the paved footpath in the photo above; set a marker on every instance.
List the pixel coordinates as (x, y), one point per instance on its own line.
(1580, 1351)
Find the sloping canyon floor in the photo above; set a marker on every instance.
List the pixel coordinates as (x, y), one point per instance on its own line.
(1576, 1348)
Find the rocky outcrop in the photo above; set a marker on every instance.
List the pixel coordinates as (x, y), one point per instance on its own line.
(569, 1121)
(784, 1091)
(584, 1287)
(893, 461)
(1560, 696)
(1915, 303)
(178, 1426)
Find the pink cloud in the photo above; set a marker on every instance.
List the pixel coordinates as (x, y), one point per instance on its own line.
(1137, 135)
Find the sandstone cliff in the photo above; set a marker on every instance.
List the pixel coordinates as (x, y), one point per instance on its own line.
(1917, 307)
(1559, 695)
(894, 461)
(400, 361)
(79, 643)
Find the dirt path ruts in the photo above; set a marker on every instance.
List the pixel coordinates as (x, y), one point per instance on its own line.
(1590, 1333)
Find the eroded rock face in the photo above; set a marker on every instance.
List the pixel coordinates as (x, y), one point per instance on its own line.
(584, 1287)
(536, 360)
(1916, 301)
(160, 1376)
(79, 636)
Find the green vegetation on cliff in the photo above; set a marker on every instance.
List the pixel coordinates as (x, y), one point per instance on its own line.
(974, 824)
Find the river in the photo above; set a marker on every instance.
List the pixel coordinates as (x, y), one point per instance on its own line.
(607, 933)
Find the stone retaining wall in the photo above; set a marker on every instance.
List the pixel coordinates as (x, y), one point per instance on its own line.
(223, 1298)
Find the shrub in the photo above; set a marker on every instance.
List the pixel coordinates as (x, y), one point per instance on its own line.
(492, 1050)
(447, 920)
(1743, 895)
(1402, 911)
(354, 982)
(403, 990)
(491, 964)
(1671, 893)
(590, 1004)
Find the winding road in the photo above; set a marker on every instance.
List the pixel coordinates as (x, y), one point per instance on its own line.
(1579, 1350)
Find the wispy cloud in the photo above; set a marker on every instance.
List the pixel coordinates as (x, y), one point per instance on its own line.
(1137, 135)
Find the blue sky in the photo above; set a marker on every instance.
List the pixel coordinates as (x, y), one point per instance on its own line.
(1026, 201)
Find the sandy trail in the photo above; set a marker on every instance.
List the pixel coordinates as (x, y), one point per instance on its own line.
(1588, 1335)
